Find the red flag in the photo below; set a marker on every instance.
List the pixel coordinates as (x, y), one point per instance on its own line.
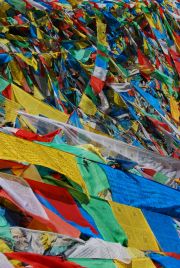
(7, 92)
(27, 135)
(39, 261)
(62, 201)
(145, 65)
(96, 84)
(158, 124)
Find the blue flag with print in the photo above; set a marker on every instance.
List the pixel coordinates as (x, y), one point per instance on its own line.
(164, 231)
(136, 191)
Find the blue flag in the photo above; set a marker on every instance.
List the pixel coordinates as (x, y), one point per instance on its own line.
(136, 191)
(164, 231)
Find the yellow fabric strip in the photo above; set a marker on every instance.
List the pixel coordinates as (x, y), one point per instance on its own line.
(32, 173)
(15, 149)
(87, 105)
(75, 2)
(36, 107)
(4, 248)
(118, 100)
(175, 112)
(16, 37)
(142, 263)
(135, 253)
(11, 109)
(120, 264)
(37, 94)
(16, 72)
(136, 263)
(29, 61)
(136, 227)
(150, 20)
(101, 32)
(4, 8)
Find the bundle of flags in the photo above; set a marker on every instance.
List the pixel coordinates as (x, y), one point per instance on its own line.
(89, 136)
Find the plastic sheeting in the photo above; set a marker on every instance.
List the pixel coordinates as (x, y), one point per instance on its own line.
(108, 146)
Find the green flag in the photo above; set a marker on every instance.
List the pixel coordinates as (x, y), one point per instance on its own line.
(98, 263)
(93, 175)
(105, 221)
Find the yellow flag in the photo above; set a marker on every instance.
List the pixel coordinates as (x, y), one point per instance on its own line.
(118, 100)
(150, 20)
(135, 253)
(5, 29)
(48, 59)
(159, 25)
(87, 106)
(135, 126)
(142, 263)
(93, 149)
(37, 93)
(101, 32)
(4, 248)
(80, 34)
(16, 72)
(32, 173)
(3, 8)
(37, 107)
(11, 109)
(30, 15)
(81, 44)
(15, 149)
(136, 227)
(138, 8)
(145, 45)
(30, 61)
(39, 33)
(136, 263)
(4, 41)
(165, 90)
(120, 264)
(75, 2)
(15, 37)
(175, 109)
